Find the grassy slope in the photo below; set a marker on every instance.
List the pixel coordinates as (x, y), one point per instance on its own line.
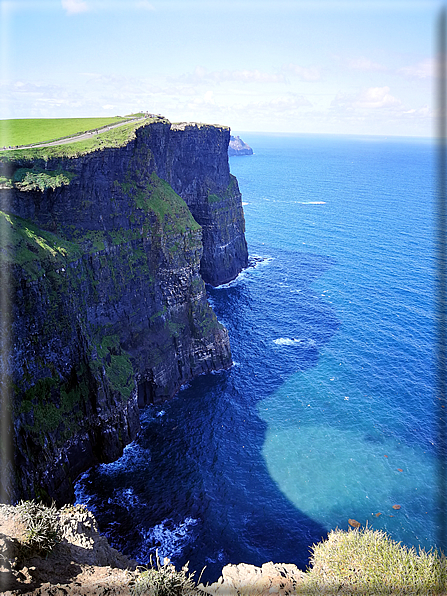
(30, 131)
(117, 137)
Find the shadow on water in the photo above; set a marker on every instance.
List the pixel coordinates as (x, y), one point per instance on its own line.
(195, 485)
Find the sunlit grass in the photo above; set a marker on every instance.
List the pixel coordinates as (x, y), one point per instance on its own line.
(29, 131)
(116, 137)
(367, 562)
(23, 243)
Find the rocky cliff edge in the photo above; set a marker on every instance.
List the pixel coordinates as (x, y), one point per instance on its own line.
(83, 563)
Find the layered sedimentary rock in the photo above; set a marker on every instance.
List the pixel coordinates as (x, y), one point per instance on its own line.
(108, 306)
(198, 171)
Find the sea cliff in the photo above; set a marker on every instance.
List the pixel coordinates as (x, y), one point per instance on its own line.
(105, 255)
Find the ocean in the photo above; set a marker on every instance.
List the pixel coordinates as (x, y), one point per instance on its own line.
(329, 412)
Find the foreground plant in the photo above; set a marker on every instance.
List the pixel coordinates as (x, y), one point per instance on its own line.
(164, 580)
(41, 526)
(367, 562)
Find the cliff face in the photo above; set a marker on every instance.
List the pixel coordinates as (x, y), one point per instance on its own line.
(213, 196)
(109, 310)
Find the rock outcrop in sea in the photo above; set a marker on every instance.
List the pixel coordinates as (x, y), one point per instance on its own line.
(105, 266)
(238, 147)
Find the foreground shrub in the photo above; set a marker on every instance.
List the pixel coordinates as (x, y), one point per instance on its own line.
(365, 561)
(164, 580)
(41, 526)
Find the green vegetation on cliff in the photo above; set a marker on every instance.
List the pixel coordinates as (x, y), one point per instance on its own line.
(212, 198)
(42, 529)
(170, 209)
(35, 250)
(23, 243)
(38, 179)
(55, 406)
(30, 131)
(55, 269)
(368, 562)
(115, 137)
(362, 562)
(116, 363)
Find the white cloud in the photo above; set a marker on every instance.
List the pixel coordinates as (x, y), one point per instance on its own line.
(306, 74)
(422, 70)
(287, 102)
(74, 6)
(201, 75)
(369, 99)
(377, 97)
(423, 112)
(282, 106)
(206, 99)
(365, 65)
(376, 111)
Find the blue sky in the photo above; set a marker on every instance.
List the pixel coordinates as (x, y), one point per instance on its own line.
(349, 67)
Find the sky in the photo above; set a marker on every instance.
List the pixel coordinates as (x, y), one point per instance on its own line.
(320, 66)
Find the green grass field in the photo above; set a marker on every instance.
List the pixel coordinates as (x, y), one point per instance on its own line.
(30, 131)
(116, 137)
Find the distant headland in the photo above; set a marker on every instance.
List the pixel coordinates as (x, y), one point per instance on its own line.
(238, 147)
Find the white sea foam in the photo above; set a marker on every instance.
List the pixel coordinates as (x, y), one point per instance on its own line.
(254, 261)
(293, 341)
(132, 453)
(124, 497)
(167, 538)
(286, 341)
(257, 260)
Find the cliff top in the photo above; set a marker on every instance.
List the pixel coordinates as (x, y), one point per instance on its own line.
(46, 138)
(32, 131)
(113, 134)
(80, 558)
(199, 125)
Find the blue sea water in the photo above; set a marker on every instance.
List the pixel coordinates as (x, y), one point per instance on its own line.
(329, 412)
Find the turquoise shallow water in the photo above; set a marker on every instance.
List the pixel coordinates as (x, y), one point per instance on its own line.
(329, 411)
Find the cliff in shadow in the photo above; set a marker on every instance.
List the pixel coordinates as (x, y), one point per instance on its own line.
(105, 256)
